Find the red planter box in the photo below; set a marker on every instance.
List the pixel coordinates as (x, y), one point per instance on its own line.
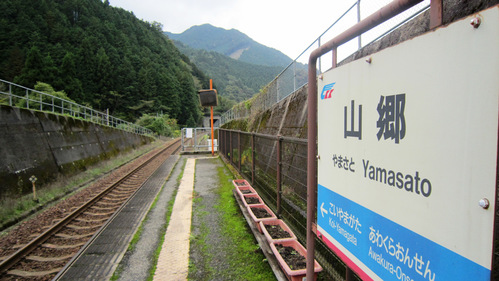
(242, 190)
(239, 183)
(257, 220)
(251, 195)
(282, 224)
(294, 275)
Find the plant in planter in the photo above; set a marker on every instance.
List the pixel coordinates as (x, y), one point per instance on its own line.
(293, 259)
(276, 231)
(291, 256)
(260, 213)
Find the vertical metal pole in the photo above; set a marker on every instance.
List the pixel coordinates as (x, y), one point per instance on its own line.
(195, 139)
(320, 61)
(335, 57)
(53, 107)
(349, 275)
(182, 138)
(252, 158)
(358, 20)
(311, 162)
(436, 13)
(230, 147)
(278, 176)
(27, 99)
(221, 134)
(212, 134)
(239, 147)
(41, 102)
(10, 94)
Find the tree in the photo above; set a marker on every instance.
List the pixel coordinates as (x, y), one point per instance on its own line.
(159, 124)
(68, 76)
(33, 68)
(100, 55)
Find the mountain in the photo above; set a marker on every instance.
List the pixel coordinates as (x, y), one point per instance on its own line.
(231, 43)
(100, 56)
(235, 80)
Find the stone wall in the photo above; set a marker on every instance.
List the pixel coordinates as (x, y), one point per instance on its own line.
(47, 145)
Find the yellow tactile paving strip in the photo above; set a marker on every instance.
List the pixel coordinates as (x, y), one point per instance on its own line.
(173, 260)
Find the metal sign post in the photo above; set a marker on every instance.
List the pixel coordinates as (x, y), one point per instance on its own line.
(209, 98)
(211, 119)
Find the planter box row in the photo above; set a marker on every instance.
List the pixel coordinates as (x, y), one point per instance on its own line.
(290, 254)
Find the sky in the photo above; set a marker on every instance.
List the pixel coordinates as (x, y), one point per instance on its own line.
(289, 26)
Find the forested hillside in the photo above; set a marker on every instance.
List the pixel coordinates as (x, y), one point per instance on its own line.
(100, 56)
(235, 80)
(232, 43)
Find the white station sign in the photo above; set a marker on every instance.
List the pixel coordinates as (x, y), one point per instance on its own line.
(408, 156)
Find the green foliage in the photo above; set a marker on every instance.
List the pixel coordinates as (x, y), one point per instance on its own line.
(160, 124)
(235, 80)
(47, 89)
(99, 55)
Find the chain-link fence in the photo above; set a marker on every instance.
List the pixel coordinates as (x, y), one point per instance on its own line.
(16, 95)
(295, 75)
(277, 168)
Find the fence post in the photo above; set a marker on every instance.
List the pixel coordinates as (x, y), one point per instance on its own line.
(252, 158)
(27, 99)
(278, 176)
(226, 145)
(10, 94)
(195, 140)
(230, 147)
(41, 102)
(239, 149)
(221, 141)
(182, 138)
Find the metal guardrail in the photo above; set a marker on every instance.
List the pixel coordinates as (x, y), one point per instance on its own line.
(20, 96)
(294, 76)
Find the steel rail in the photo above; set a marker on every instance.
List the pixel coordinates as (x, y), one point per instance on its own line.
(33, 244)
(70, 263)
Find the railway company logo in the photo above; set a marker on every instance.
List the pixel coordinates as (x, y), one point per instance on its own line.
(327, 91)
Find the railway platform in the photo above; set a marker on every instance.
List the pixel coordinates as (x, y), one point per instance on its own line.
(102, 254)
(178, 181)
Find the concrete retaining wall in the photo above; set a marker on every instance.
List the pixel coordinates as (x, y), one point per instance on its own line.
(47, 145)
(289, 116)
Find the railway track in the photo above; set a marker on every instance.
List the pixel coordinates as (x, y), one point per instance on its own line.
(47, 253)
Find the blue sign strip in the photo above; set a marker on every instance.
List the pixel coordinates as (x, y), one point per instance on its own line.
(390, 250)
